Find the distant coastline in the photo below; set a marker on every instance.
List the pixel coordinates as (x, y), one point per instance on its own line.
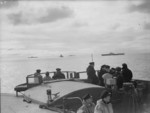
(111, 54)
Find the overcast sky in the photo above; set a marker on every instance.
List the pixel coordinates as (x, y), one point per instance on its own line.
(74, 27)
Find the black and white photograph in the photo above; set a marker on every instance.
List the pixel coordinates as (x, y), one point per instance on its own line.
(75, 56)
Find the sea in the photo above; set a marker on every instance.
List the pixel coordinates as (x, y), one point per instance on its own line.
(13, 70)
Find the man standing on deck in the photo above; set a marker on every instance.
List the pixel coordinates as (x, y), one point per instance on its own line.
(38, 77)
(47, 77)
(58, 74)
(126, 73)
(100, 74)
(87, 105)
(92, 78)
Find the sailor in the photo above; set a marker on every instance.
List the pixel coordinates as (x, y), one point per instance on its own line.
(100, 74)
(107, 75)
(126, 73)
(87, 105)
(47, 77)
(37, 73)
(91, 73)
(104, 105)
(119, 77)
(58, 74)
(38, 77)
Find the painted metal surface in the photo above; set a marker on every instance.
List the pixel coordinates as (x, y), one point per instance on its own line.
(12, 104)
(63, 88)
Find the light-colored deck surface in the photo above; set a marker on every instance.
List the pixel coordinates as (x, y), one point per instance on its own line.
(12, 104)
(65, 87)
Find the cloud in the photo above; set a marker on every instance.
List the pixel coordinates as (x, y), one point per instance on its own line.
(68, 41)
(80, 28)
(144, 7)
(115, 26)
(147, 26)
(56, 14)
(16, 18)
(8, 3)
(79, 24)
(46, 16)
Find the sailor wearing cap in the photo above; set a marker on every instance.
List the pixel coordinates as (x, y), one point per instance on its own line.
(91, 73)
(38, 77)
(58, 69)
(92, 63)
(103, 105)
(58, 74)
(126, 73)
(87, 105)
(47, 77)
(37, 73)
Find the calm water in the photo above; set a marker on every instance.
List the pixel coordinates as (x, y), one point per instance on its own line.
(14, 71)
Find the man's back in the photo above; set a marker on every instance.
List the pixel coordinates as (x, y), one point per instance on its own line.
(47, 78)
(90, 71)
(127, 75)
(106, 76)
(59, 75)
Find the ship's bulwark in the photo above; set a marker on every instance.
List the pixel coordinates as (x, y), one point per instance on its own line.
(134, 101)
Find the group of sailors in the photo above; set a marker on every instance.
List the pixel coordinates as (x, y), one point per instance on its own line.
(88, 106)
(119, 74)
(103, 105)
(101, 77)
(120, 79)
(57, 75)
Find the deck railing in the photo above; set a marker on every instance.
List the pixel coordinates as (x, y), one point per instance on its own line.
(32, 81)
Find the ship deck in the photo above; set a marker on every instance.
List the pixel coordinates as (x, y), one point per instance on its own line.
(12, 104)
